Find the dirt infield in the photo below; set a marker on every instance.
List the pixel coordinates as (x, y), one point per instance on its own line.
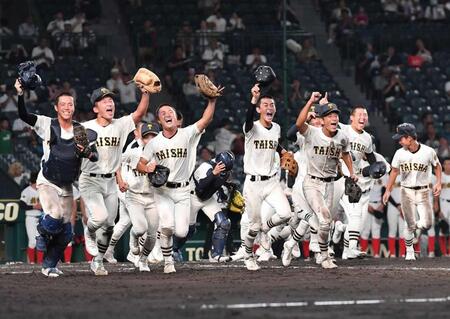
(364, 289)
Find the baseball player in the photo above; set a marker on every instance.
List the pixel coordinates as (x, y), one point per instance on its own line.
(261, 146)
(139, 197)
(97, 180)
(60, 167)
(29, 201)
(360, 148)
(324, 147)
(444, 204)
(174, 148)
(372, 214)
(413, 162)
(124, 222)
(207, 180)
(395, 220)
(305, 216)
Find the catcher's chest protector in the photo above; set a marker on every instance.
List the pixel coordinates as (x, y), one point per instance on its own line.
(63, 165)
(206, 192)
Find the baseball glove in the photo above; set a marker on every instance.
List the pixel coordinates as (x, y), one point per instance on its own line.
(206, 87)
(159, 177)
(80, 137)
(147, 80)
(236, 203)
(352, 190)
(289, 163)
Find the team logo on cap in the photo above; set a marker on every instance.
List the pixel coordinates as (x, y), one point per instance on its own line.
(104, 91)
(331, 106)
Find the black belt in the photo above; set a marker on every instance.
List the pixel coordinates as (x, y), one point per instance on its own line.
(102, 175)
(176, 185)
(325, 179)
(416, 188)
(258, 178)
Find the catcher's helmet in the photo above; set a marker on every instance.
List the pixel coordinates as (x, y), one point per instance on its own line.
(28, 77)
(264, 75)
(226, 158)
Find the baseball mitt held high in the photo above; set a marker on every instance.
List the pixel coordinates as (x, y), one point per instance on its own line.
(147, 80)
(206, 87)
(289, 163)
(159, 177)
(352, 190)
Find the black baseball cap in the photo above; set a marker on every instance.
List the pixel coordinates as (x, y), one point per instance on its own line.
(150, 128)
(405, 129)
(325, 109)
(100, 93)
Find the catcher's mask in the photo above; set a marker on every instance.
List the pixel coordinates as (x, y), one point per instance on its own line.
(28, 77)
(264, 75)
(226, 158)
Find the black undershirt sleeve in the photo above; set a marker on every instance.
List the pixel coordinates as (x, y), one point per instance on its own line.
(249, 117)
(28, 118)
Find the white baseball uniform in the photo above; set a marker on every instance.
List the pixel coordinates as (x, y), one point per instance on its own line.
(360, 144)
(139, 198)
(173, 199)
(262, 182)
(323, 155)
(97, 179)
(415, 173)
(30, 197)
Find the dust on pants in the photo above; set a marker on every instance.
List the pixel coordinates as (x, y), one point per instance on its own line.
(270, 191)
(143, 214)
(319, 195)
(55, 201)
(416, 201)
(101, 199)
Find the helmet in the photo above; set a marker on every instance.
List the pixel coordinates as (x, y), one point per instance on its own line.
(28, 77)
(226, 158)
(264, 75)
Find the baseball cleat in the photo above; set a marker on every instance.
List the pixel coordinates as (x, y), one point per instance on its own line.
(132, 258)
(50, 272)
(410, 255)
(98, 268)
(169, 267)
(354, 253)
(328, 263)
(219, 259)
(286, 255)
(296, 253)
(266, 255)
(338, 230)
(251, 264)
(319, 258)
(240, 254)
(109, 256)
(90, 243)
(143, 265)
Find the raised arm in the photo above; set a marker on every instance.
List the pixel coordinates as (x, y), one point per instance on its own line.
(208, 115)
(142, 107)
(303, 116)
(250, 114)
(28, 118)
